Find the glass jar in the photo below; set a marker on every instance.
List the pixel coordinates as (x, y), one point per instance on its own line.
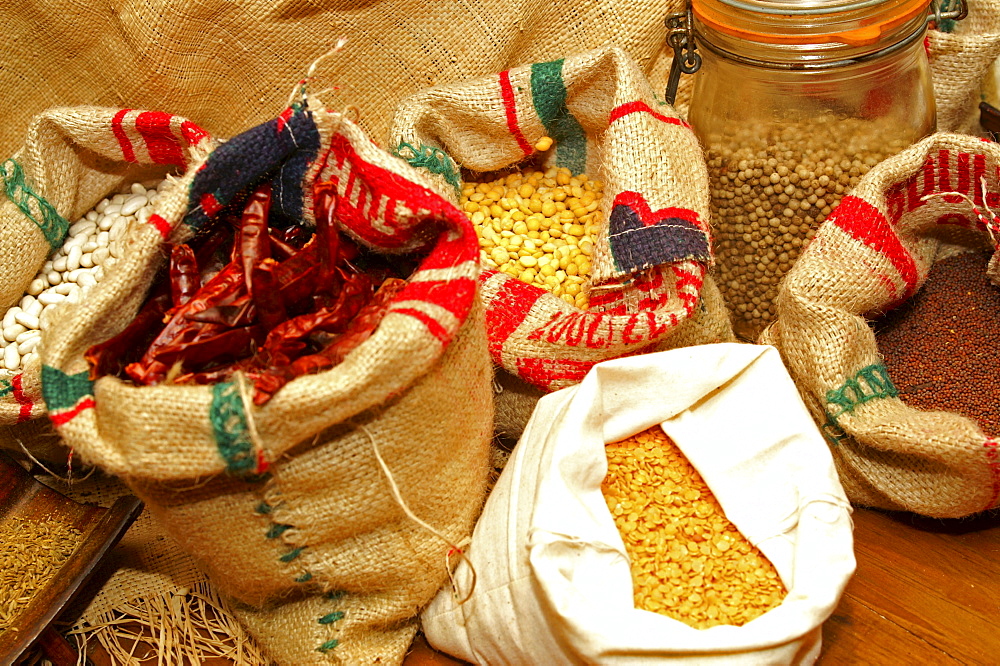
(793, 103)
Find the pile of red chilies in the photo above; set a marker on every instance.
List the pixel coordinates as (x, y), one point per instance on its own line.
(277, 310)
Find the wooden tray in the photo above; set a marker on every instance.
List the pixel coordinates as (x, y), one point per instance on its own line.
(21, 496)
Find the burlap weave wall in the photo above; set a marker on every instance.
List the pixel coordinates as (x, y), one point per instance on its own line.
(230, 65)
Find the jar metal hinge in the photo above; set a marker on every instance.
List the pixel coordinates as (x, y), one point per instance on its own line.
(687, 60)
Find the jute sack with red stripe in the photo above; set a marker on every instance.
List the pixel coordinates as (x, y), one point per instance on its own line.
(292, 507)
(872, 254)
(72, 158)
(961, 53)
(650, 288)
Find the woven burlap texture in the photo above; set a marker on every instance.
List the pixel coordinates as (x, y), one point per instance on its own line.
(318, 558)
(71, 158)
(229, 65)
(874, 252)
(613, 129)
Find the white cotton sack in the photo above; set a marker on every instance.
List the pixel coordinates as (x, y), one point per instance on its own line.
(552, 580)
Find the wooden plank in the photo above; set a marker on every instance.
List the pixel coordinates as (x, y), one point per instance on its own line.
(936, 580)
(858, 635)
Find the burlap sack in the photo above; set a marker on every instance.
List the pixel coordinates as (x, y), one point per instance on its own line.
(72, 158)
(187, 55)
(871, 254)
(651, 255)
(288, 507)
(961, 53)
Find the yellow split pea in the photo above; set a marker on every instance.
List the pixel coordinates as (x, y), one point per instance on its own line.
(688, 561)
(539, 226)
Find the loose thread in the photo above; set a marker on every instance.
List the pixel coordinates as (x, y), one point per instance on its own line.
(299, 88)
(397, 496)
(69, 466)
(255, 438)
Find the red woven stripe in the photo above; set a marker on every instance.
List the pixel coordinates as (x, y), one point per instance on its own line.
(642, 107)
(192, 133)
(26, 405)
(160, 224)
(507, 310)
(510, 108)
(163, 146)
(210, 204)
(863, 222)
(65, 417)
(432, 324)
(544, 371)
(123, 141)
(993, 460)
(451, 295)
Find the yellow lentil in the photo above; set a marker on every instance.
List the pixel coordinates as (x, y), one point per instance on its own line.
(688, 561)
(539, 227)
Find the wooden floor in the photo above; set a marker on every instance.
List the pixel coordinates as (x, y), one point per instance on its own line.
(925, 592)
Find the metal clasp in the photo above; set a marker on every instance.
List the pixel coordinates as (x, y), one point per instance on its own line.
(944, 14)
(687, 60)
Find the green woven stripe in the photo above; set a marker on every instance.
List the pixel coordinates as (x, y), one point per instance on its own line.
(870, 383)
(52, 224)
(229, 426)
(5, 388)
(433, 159)
(62, 391)
(548, 93)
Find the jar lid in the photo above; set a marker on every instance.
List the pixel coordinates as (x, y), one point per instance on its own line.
(850, 22)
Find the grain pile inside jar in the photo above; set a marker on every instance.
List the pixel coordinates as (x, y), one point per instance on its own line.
(688, 561)
(538, 226)
(31, 554)
(770, 190)
(940, 347)
(93, 245)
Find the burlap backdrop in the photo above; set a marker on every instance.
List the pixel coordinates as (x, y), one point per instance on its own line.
(652, 251)
(71, 158)
(871, 254)
(285, 506)
(228, 64)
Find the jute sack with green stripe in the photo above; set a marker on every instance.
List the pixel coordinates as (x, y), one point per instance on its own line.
(327, 515)
(71, 158)
(872, 254)
(650, 288)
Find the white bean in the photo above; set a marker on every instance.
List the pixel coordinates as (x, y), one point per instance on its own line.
(11, 358)
(73, 259)
(86, 279)
(74, 296)
(100, 255)
(26, 320)
(10, 333)
(110, 221)
(140, 188)
(133, 204)
(50, 297)
(28, 358)
(92, 216)
(102, 206)
(9, 317)
(54, 277)
(87, 260)
(59, 265)
(64, 288)
(117, 200)
(28, 345)
(103, 239)
(83, 226)
(90, 245)
(37, 286)
(34, 307)
(27, 335)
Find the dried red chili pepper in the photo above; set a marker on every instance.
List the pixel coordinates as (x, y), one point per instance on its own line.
(254, 239)
(184, 277)
(211, 346)
(108, 357)
(267, 296)
(359, 329)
